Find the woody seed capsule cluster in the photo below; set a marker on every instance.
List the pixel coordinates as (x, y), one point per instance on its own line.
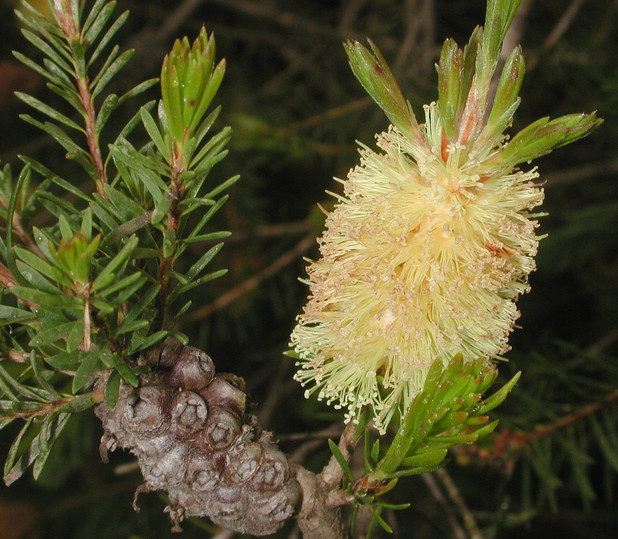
(188, 430)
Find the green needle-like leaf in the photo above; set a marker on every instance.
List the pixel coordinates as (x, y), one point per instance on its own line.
(48, 111)
(90, 362)
(107, 275)
(105, 40)
(98, 17)
(341, 460)
(155, 135)
(375, 75)
(497, 398)
(107, 107)
(450, 85)
(506, 100)
(109, 72)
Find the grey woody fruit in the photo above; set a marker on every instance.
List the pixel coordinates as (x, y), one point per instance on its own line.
(193, 371)
(189, 413)
(202, 474)
(222, 428)
(167, 469)
(144, 412)
(192, 438)
(274, 471)
(226, 391)
(245, 464)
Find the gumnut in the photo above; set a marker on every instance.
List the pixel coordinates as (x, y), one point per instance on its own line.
(222, 428)
(245, 464)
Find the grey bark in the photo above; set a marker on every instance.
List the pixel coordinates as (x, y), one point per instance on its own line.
(192, 437)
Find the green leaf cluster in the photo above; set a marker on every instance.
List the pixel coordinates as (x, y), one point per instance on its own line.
(470, 116)
(45, 410)
(89, 274)
(449, 411)
(189, 81)
(79, 62)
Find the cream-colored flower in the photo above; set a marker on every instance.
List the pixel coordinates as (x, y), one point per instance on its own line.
(422, 259)
(433, 239)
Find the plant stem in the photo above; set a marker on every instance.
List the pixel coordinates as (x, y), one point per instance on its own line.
(52, 407)
(69, 26)
(91, 135)
(542, 432)
(166, 263)
(332, 474)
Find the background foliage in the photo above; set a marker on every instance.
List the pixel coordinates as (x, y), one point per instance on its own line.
(296, 110)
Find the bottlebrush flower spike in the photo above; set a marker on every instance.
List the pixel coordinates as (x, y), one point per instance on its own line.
(432, 242)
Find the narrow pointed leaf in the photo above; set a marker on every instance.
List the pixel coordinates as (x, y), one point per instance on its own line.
(138, 308)
(112, 389)
(10, 473)
(151, 340)
(107, 74)
(48, 111)
(375, 76)
(379, 519)
(96, 20)
(136, 90)
(107, 107)
(118, 23)
(226, 184)
(497, 398)
(506, 100)
(108, 272)
(120, 284)
(345, 467)
(124, 371)
(55, 51)
(197, 282)
(203, 261)
(155, 134)
(89, 363)
(37, 279)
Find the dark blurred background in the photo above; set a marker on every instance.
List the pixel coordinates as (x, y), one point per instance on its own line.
(296, 110)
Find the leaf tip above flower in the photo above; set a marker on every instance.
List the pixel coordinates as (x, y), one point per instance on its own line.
(374, 74)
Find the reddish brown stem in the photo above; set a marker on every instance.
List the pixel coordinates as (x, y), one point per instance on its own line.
(6, 277)
(19, 231)
(72, 33)
(51, 407)
(166, 264)
(24, 236)
(92, 138)
(509, 443)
